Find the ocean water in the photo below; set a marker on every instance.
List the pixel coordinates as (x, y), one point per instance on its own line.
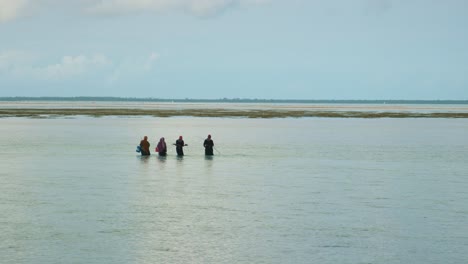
(306, 190)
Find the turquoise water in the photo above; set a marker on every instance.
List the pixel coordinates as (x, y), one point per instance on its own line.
(308, 190)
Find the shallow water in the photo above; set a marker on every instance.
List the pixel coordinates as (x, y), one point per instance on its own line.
(308, 190)
(364, 107)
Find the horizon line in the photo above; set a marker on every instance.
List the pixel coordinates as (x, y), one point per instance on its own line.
(213, 99)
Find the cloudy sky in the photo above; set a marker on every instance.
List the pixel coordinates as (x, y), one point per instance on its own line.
(273, 49)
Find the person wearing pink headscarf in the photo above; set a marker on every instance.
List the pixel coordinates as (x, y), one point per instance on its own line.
(161, 148)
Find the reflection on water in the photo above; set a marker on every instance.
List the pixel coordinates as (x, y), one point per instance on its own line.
(284, 191)
(161, 162)
(208, 164)
(209, 158)
(144, 159)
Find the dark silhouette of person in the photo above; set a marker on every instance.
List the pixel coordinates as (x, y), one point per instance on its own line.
(145, 147)
(208, 144)
(180, 146)
(161, 148)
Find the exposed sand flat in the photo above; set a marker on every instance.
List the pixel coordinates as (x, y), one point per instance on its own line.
(251, 113)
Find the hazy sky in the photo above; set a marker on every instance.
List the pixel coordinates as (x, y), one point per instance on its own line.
(273, 49)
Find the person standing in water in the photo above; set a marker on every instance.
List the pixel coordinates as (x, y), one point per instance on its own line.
(180, 146)
(208, 144)
(145, 147)
(161, 148)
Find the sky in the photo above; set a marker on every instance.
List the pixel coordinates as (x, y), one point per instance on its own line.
(210, 49)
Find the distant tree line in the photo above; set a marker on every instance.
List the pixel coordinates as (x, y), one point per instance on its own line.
(228, 100)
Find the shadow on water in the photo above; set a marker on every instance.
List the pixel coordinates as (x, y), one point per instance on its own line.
(180, 159)
(144, 159)
(208, 164)
(162, 161)
(179, 166)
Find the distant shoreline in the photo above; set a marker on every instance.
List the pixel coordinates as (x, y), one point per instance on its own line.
(60, 112)
(225, 100)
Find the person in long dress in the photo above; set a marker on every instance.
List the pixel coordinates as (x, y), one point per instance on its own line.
(145, 147)
(208, 144)
(161, 148)
(180, 144)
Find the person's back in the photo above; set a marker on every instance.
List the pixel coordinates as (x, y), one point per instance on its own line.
(208, 144)
(145, 147)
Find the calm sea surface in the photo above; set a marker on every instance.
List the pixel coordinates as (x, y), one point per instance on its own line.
(307, 190)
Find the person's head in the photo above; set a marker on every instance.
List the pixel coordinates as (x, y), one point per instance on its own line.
(145, 138)
(209, 136)
(180, 137)
(162, 139)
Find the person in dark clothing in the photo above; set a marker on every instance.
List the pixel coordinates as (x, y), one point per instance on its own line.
(180, 146)
(145, 147)
(208, 144)
(161, 148)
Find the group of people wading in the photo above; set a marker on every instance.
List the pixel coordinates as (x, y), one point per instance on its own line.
(161, 148)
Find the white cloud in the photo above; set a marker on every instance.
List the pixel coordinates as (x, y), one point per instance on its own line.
(133, 66)
(150, 61)
(378, 7)
(22, 65)
(197, 7)
(13, 61)
(126, 6)
(10, 9)
(71, 66)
